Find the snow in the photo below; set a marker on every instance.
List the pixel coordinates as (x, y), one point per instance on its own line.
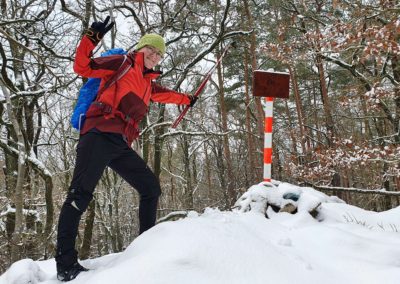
(271, 71)
(24, 271)
(24, 211)
(2, 226)
(32, 158)
(39, 164)
(257, 197)
(342, 244)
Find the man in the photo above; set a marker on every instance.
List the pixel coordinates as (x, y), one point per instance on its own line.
(111, 125)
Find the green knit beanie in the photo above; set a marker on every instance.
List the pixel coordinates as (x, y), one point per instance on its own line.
(153, 40)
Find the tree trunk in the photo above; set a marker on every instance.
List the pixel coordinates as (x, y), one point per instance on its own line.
(292, 132)
(259, 107)
(11, 166)
(194, 181)
(186, 161)
(145, 142)
(172, 179)
(158, 143)
(299, 108)
(249, 130)
(49, 212)
(227, 151)
(18, 192)
(325, 100)
(395, 60)
(208, 169)
(218, 152)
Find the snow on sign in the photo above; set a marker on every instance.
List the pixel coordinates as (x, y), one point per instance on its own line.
(269, 85)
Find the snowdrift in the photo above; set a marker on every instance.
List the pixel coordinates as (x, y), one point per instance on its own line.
(323, 241)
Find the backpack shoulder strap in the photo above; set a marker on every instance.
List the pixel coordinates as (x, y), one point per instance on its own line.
(121, 71)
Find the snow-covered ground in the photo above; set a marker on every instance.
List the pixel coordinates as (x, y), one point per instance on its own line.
(343, 244)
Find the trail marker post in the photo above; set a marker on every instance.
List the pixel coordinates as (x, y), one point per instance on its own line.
(269, 85)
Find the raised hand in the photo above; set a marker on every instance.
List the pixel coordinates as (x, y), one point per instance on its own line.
(193, 100)
(98, 29)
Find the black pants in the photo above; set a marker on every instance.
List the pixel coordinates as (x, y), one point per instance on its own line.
(95, 151)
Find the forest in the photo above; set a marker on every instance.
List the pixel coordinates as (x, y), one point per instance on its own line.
(338, 132)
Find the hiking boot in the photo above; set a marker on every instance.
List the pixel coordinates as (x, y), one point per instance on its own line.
(70, 273)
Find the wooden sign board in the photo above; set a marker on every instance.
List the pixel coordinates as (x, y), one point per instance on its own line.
(270, 84)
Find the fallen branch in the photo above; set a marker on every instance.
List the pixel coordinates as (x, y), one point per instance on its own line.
(358, 190)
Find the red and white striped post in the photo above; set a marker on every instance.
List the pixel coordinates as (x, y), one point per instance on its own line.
(269, 85)
(269, 113)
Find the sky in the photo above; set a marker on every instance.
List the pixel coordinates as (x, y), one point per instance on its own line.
(341, 244)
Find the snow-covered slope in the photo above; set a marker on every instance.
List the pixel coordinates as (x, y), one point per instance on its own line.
(245, 247)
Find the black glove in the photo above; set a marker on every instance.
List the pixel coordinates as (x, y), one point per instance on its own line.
(98, 29)
(192, 99)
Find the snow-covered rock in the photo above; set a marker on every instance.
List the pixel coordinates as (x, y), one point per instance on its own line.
(282, 197)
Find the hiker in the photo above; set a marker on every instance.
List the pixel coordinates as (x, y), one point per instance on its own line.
(111, 125)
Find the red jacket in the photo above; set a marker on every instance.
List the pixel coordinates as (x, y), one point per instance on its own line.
(123, 105)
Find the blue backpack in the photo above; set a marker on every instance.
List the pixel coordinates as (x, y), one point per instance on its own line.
(88, 93)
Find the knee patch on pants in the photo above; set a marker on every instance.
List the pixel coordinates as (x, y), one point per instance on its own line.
(79, 198)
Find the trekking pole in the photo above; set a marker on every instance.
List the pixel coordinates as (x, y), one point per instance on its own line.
(202, 85)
